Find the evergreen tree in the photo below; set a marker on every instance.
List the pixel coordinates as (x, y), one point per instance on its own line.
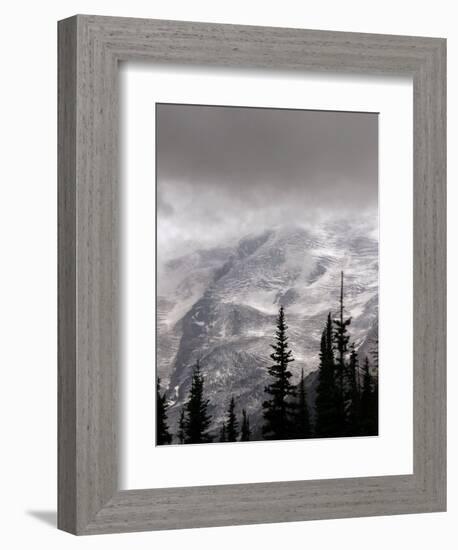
(374, 352)
(327, 420)
(163, 436)
(232, 424)
(197, 419)
(374, 409)
(302, 412)
(367, 402)
(245, 431)
(223, 433)
(352, 394)
(341, 339)
(374, 415)
(279, 408)
(181, 424)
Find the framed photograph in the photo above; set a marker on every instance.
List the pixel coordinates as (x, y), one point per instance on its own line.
(251, 275)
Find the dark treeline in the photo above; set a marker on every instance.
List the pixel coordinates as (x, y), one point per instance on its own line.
(346, 399)
(346, 402)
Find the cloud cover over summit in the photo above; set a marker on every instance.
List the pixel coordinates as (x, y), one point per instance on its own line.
(224, 172)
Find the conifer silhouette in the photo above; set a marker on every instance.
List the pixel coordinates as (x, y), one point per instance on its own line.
(302, 412)
(245, 431)
(341, 339)
(327, 419)
(353, 422)
(279, 407)
(232, 424)
(223, 433)
(197, 419)
(181, 427)
(163, 436)
(369, 402)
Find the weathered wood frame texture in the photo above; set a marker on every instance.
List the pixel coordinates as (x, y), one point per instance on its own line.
(90, 48)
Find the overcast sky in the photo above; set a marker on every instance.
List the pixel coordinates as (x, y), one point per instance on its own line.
(223, 172)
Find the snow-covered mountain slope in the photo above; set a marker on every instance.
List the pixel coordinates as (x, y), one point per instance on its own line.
(219, 306)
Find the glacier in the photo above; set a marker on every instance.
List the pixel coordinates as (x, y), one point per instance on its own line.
(219, 305)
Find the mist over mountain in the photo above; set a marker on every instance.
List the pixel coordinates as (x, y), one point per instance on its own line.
(218, 306)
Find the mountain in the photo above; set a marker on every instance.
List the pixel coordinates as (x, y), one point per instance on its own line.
(219, 306)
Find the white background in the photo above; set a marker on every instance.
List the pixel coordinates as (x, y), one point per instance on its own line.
(28, 272)
(391, 452)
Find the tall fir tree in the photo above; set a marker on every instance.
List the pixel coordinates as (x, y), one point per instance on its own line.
(374, 352)
(180, 432)
(327, 414)
(279, 408)
(368, 422)
(369, 401)
(341, 339)
(197, 420)
(163, 436)
(245, 432)
(352, 394)
(374, 415)
(232, 424)
(302, 412)
(223, 433)
(374, 408)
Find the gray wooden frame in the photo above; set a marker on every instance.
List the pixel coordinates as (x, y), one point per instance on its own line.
(90, 49)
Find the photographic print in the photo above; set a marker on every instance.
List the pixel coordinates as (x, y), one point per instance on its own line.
(266, 274)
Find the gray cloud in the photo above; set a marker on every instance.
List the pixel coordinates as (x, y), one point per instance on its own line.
(222, 171)
(164, 207)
